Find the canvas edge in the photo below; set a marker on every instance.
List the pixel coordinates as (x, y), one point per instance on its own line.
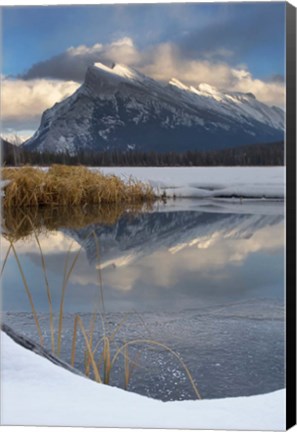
(290, 215)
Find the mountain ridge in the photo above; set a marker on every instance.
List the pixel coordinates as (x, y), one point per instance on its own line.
(120, 108)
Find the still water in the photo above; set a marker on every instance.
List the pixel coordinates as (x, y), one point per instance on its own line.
(206, 280)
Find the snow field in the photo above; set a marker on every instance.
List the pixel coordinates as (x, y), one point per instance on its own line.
(37, 392)
(208, 182)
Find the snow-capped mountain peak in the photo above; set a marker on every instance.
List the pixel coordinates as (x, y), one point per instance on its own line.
(209, 91)
(203, 89)
(119, 70)
(233, 104)
(175, 82)
(119, 108)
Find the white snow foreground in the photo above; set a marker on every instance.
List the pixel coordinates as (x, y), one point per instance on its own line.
(209, 182)
(36, 392)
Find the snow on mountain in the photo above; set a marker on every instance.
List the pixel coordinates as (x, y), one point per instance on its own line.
(238, 105)
(121, 71)
(119, 108)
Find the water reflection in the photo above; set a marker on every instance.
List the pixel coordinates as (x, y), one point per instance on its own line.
(155, 260)
(207, 282)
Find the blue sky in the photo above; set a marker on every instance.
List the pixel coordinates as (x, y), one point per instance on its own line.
(47, 49)
(254, 32)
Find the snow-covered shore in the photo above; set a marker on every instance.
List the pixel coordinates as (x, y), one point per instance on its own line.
(206, 182)
(37, 392)
(201, 182)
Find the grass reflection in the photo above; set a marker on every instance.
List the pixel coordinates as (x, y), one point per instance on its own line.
(18, 223)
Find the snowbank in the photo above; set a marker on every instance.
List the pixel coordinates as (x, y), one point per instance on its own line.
(201, 182)
(37, 392)
(222, 205)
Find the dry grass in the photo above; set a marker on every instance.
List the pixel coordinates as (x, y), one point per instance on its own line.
(63, 185)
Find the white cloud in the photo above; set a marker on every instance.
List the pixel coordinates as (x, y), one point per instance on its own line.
(23, 102)
(83, 49)
(271, 93)
(22, 98)
(121, 51)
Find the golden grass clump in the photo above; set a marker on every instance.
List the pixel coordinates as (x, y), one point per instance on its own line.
(63, 185)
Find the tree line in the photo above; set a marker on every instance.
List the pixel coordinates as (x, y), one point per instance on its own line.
(268, 154)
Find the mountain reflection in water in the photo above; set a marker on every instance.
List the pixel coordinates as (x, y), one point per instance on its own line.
(208, 283)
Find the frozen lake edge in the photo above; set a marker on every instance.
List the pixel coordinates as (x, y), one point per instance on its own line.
(208, 182)
(37, 392)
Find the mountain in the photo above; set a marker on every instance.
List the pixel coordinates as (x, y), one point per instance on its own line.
(118, 108)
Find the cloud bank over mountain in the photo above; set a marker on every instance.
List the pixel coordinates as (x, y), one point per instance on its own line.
(50, 81)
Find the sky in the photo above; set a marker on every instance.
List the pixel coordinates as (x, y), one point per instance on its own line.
(47, 49)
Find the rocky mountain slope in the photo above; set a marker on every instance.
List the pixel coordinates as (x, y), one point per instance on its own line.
(119, 108)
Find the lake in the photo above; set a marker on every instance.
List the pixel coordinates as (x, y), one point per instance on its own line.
(203, 278)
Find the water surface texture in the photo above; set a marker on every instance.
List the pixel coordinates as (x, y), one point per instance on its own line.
(207, 281)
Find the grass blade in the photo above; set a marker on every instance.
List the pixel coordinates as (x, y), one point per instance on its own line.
(99, 274)
(89, 350)
(107, 362)
(61, 311)
(5, 259)
(28, 294)
(155, 343)
(91, 336)
(73, 346)
(48, 291)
